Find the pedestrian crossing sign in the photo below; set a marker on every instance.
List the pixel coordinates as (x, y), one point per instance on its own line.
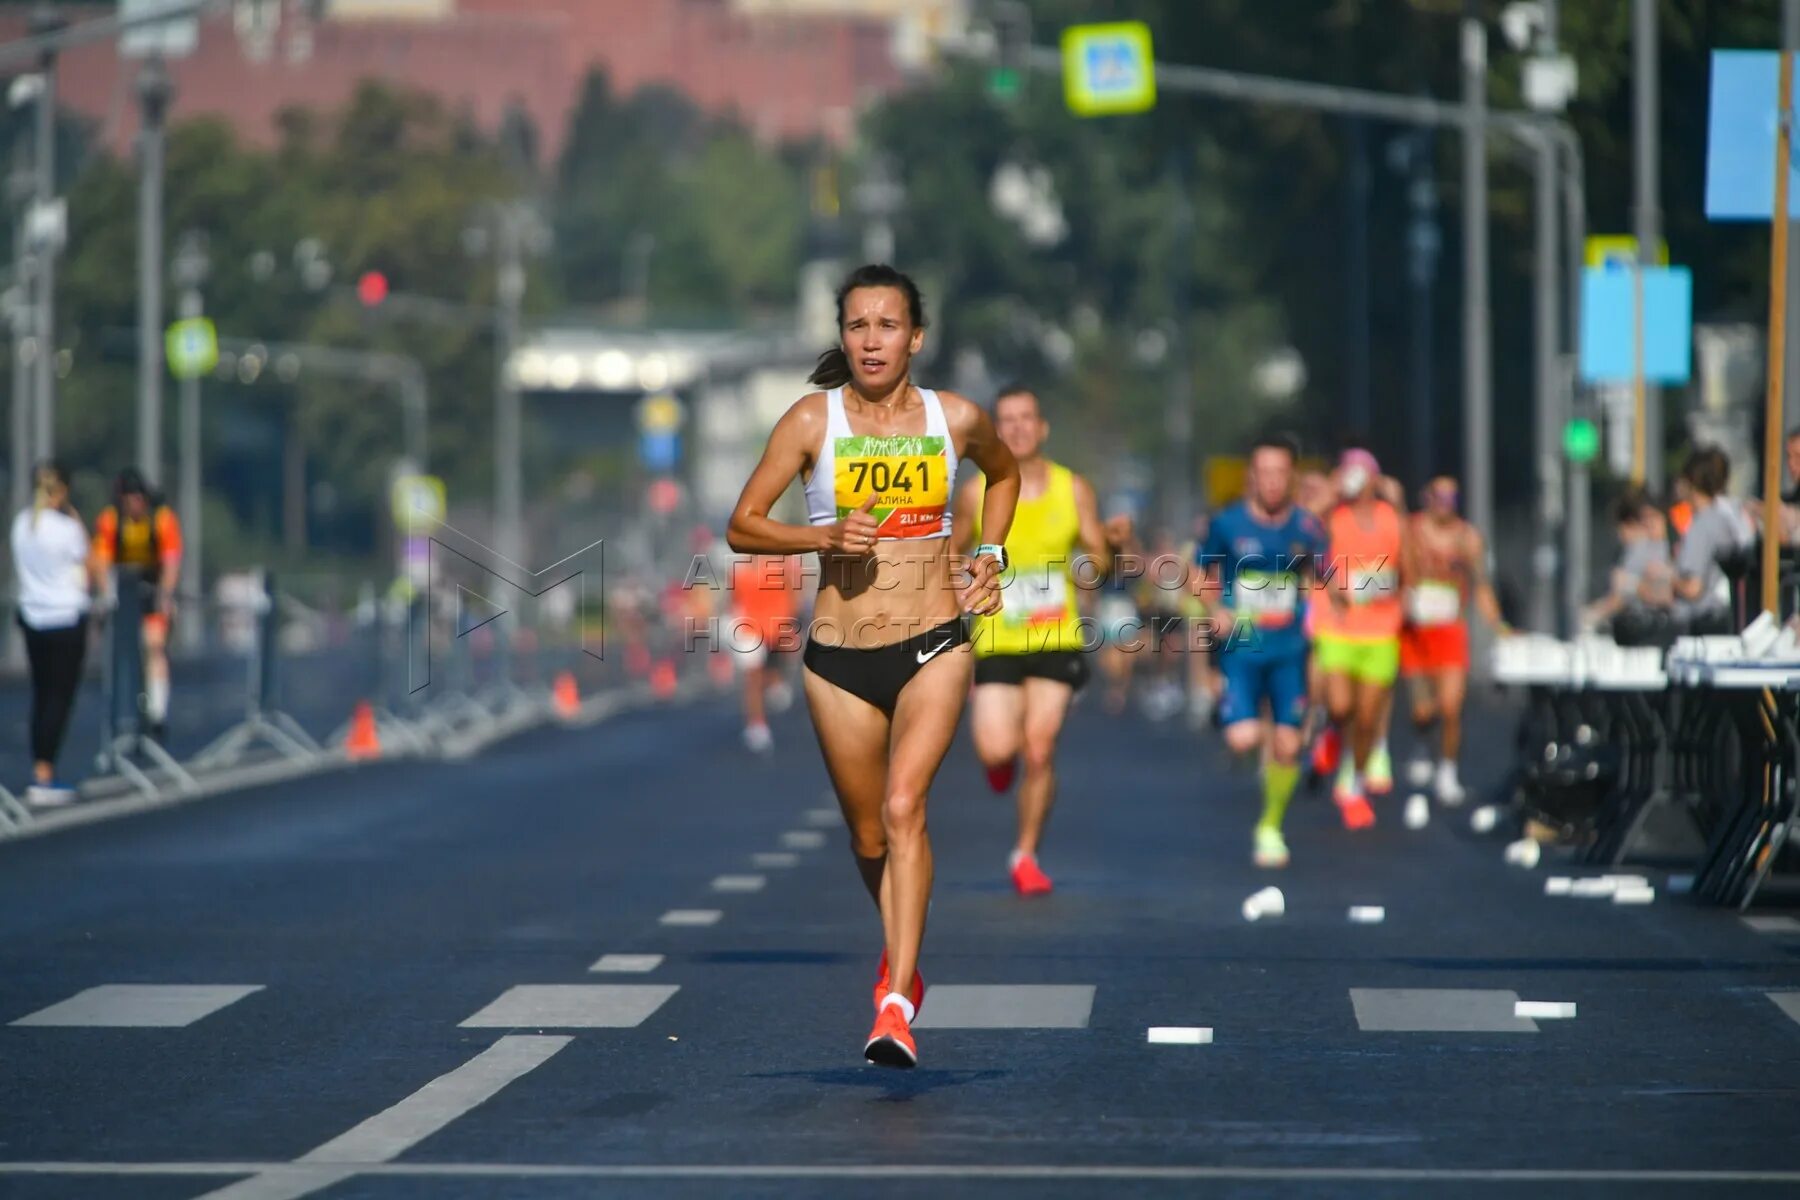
(1108, 69)
(192, 348)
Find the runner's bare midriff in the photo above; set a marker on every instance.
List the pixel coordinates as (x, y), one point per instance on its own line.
(901, 590)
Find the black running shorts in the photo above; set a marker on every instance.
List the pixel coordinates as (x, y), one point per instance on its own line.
(1061, 666)
(878, 675)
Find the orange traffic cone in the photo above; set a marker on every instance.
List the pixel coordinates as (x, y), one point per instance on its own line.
(564, 697)
(662, 679)
(362, 741)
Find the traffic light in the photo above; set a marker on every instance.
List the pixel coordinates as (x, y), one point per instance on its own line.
(372, 288)
(1011, 22)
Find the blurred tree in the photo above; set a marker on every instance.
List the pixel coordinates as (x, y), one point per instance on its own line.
(390, 182)
(657, 202)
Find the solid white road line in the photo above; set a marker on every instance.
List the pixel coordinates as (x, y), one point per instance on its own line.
(387, 1135)
(913, 1171)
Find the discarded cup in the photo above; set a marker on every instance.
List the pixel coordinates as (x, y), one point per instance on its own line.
(1544, 1010)
(1483, 819)
(1368, 914)
(1418, 811)
(1524, 853)
(1267, 903)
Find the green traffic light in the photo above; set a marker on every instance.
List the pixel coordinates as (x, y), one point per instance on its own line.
(1581, 440)
(1004, 83)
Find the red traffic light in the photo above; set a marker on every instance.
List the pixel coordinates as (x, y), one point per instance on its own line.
(665, 496)
(372, 288)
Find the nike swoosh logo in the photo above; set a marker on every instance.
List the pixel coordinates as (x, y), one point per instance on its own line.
(928, 655)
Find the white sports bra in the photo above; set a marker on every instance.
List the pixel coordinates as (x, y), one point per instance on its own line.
(911, 474)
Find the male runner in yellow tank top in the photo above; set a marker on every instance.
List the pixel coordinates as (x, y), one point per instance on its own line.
(1029, 659)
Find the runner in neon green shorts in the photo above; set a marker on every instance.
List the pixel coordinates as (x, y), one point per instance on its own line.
(1374, 661)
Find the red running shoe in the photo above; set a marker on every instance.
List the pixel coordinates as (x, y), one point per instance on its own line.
(1354, 808)
(1000, 778)
(890, 1043)
(882, 989)
(1029, 879)
(1326, 748)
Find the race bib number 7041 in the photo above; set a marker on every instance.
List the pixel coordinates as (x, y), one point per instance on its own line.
(908, 475)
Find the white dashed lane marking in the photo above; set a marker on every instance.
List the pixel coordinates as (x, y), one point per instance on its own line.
(691, 916)
(628, 964)
(141, 1005)
(573, 1006)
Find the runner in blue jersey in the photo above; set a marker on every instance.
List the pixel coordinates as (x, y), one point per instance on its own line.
(1255, 559)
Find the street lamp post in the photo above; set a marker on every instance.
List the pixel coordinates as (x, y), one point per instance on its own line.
(1179, 419)
(1648, 466)
(154, 92)
(45, 20)
(192, 264)
(508, 471)
(1478, 420)
(20, 310)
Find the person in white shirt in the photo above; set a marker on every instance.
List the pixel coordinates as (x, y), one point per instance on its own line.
(50, 552)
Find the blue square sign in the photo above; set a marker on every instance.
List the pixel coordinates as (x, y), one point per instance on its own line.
(1609, 325)
(1740, 137)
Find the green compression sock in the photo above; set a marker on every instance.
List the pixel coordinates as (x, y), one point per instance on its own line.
(1279, 782)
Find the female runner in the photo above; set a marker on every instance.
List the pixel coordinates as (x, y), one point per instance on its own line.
(887, 657)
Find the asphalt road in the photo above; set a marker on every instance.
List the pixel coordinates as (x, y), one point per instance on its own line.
(335, 963)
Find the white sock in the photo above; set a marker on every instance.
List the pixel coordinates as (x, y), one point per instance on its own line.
(1018, 856)
(156, 698)
(906, 1006)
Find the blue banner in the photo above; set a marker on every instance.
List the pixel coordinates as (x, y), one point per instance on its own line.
(1740, 137)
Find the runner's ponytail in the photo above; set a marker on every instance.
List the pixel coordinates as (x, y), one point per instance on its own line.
(833, 370)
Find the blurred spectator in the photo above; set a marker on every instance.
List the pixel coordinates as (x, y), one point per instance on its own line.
(1719, 530)
(1790, 498)
(50, 561)
(1681, 513)
(1641, 594)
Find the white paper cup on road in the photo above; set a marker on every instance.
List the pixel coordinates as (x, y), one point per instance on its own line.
(1483, 819)
(1558, 885)
(1368, 914)
(1544, 1010)
(1418, 811)
(1524, 853)
(1267, 903)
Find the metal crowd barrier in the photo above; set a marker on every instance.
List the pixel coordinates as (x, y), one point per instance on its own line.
(1710, 734)
(280, 689)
